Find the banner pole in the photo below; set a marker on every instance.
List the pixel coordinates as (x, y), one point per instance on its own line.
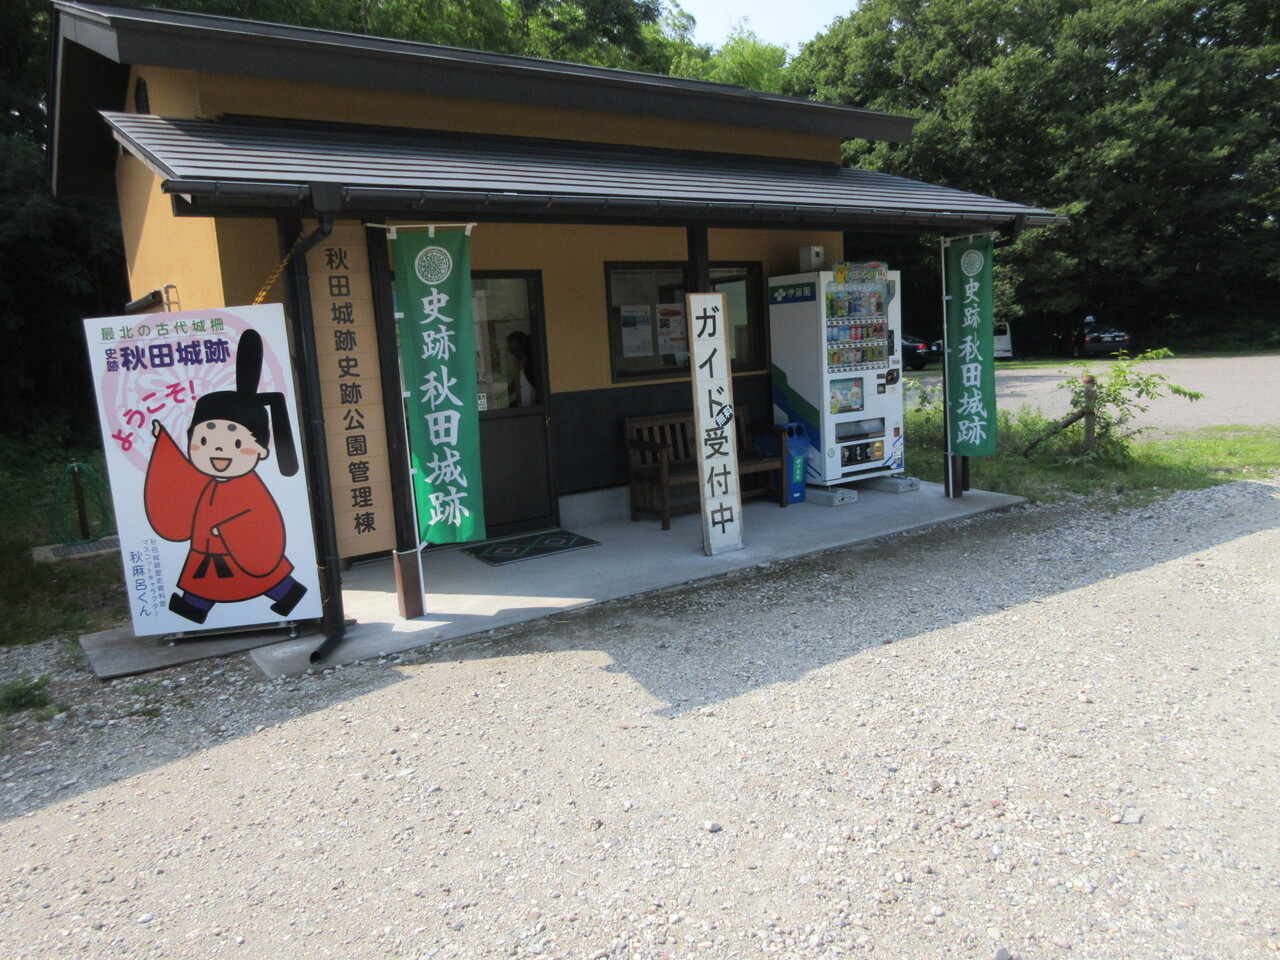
(410, 587)
(948, 461)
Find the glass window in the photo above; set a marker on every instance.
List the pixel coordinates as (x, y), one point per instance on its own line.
(648, 330)
(507, 366)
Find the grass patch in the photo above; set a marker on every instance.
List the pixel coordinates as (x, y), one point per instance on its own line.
(1228, 453)
(47, 713)
(73, 654)
(60, 599)
(1134, 471)
(24, 693)
(63, 599)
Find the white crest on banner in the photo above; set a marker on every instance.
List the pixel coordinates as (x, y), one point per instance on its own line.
(433, 265)
(972, 262)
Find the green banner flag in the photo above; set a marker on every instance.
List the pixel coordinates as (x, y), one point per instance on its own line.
(437, 354)
(971, 377)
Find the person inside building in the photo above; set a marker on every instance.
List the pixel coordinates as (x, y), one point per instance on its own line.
(520, 392)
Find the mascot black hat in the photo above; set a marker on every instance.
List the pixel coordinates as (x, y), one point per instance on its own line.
(257, 412)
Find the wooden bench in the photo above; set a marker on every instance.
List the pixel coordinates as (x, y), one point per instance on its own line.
(662, 453)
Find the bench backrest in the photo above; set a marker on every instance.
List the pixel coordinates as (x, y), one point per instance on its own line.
(676, 432)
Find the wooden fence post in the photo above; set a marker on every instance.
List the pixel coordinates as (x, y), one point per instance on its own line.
(1090, 411)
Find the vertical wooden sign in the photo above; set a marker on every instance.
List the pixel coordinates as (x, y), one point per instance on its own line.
(718, 488)
(351, 392)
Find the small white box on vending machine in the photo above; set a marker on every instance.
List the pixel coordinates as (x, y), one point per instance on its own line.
(812, 259)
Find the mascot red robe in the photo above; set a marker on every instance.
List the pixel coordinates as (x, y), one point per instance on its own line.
(245, 558)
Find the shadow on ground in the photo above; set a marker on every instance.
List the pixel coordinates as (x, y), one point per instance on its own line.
(698, 645)
(823, 608)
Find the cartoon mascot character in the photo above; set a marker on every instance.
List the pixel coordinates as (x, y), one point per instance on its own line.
(214, 498)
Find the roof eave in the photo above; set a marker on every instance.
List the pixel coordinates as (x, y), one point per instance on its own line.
(237, 197)
(211, 43)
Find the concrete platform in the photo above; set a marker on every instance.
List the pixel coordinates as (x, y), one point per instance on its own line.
(466, 596)
(118, 652)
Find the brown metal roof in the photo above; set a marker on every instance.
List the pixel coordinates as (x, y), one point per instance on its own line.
(94, 46)
(197, 41)
(270, 166)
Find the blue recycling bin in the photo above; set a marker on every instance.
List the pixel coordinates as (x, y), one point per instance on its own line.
(794, 458)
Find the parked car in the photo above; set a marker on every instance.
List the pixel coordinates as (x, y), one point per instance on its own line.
(915, 353)
(1001, 341)
(1092, 338)
(1001, 344)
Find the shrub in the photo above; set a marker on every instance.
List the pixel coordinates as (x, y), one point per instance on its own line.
(24, 693)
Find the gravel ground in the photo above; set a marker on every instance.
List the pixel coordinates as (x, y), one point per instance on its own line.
(1044, 733)
(1237, 390)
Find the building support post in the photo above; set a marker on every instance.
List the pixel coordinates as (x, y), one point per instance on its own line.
(699, 260)
(333, 620)
(405, 559)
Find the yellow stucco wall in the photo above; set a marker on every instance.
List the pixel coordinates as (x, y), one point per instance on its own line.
(213, 263)
(161, 249)
(224, 93)
(170, 92)
(185, 93)
(248, 250)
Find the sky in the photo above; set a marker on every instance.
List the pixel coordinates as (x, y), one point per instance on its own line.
(777, 21)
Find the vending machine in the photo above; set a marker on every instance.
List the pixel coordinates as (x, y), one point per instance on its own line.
(837, 368)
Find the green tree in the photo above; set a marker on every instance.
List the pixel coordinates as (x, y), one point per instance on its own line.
(670, 39)
(743, 60)
(1152, 125)
(58, 261)
(24, 25)
(471, 24)
(606, 32)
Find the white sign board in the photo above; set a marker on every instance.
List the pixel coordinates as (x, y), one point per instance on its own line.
(200, 430)
(713, 419)
(637, 331)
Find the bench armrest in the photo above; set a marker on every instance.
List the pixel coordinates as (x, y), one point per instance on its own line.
(777, 434)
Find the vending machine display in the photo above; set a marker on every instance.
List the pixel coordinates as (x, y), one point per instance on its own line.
(837, 368)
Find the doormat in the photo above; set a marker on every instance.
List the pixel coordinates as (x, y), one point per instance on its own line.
(529, 546)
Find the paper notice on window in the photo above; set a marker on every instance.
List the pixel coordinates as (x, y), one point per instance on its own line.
(637, 331)
(673, 331)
